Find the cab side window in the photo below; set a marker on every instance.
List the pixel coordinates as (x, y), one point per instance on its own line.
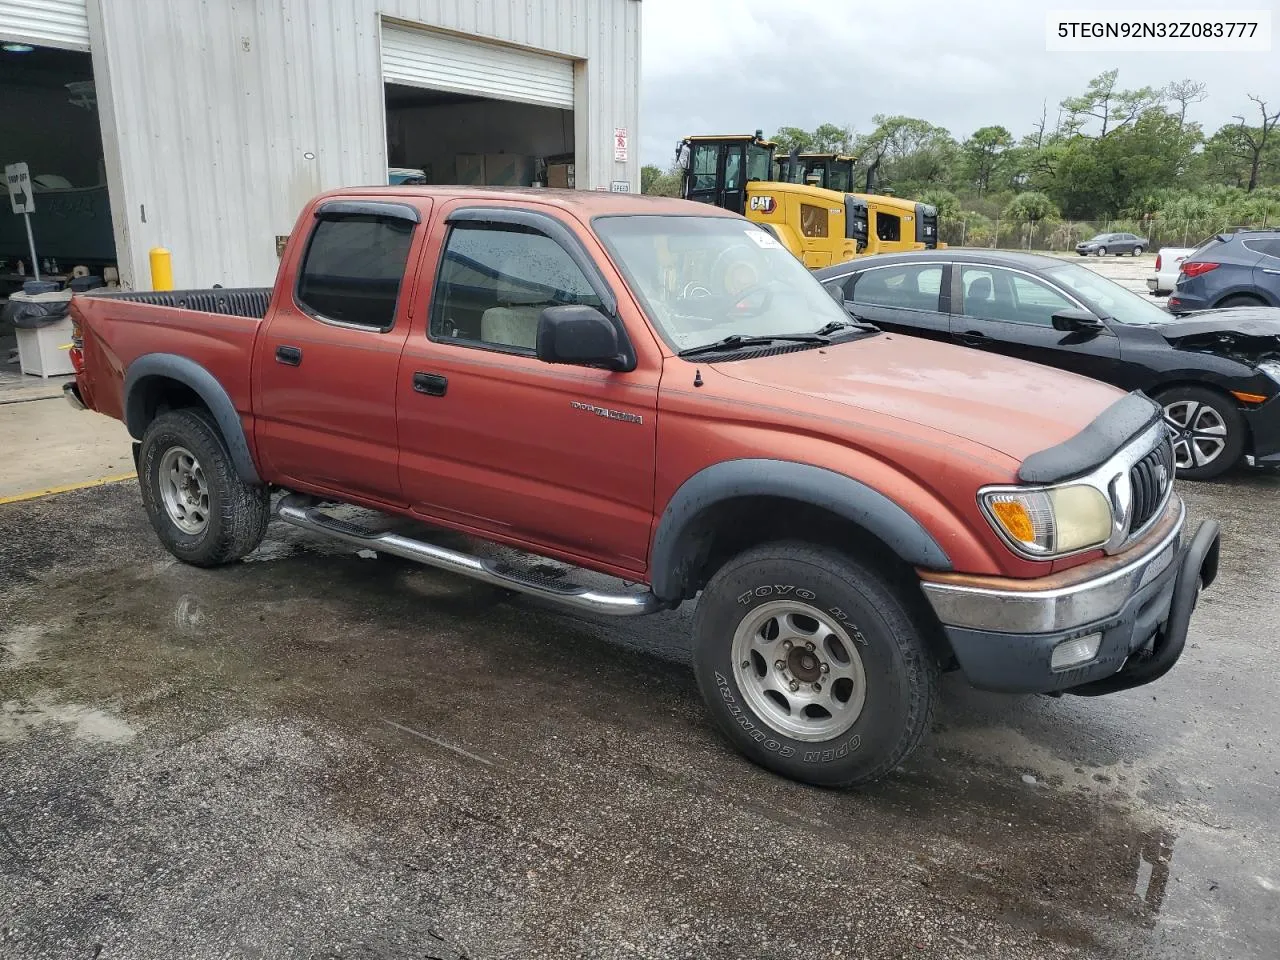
(352, 270)
(495, 281)
(912, 287)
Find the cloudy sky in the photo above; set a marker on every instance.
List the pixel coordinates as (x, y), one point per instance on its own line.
(732, 66)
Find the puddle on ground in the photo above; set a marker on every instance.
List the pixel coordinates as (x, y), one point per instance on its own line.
(20, 717)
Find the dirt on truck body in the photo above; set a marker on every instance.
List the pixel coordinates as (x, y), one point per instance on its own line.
(657, 391)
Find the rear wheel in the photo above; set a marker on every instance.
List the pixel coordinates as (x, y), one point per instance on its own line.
(1102, 251)
(1241, 300)
(201, 509)
(813, 665)
(1208, 431)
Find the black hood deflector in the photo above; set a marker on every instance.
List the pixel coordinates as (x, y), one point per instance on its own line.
(1095, 444)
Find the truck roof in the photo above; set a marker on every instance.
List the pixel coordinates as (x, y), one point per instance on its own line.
(588, 203)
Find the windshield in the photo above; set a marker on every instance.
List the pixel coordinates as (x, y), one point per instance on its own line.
(841, 177)
(702, 279)
(1107, 296)
(759, 160)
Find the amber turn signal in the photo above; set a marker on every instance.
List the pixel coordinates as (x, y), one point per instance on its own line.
(1248, 397)
(1013, 516)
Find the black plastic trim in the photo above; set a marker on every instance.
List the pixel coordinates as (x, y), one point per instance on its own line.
(337, 209)
(183, 370)
(674, 543)
(1095, 444)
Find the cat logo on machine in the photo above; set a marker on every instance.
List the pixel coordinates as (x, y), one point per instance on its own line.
(764, 204)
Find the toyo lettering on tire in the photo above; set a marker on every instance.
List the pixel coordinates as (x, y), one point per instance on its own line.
(813, 664)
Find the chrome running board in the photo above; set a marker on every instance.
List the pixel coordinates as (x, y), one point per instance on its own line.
(302, 511)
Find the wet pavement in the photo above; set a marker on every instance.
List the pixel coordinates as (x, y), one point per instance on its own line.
(318, 754)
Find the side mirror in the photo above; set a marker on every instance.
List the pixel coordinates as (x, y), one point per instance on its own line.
(1072, 321)
(582, 336)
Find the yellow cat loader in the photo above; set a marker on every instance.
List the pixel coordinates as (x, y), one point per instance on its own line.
(819, 226)
(894, 225)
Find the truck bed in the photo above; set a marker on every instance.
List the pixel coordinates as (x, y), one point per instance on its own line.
(236, 301)
(215, 327)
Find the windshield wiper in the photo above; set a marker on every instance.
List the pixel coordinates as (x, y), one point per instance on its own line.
(855, 324)
(738, 340)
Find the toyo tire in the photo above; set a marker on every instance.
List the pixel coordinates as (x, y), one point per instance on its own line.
(813, 664)
(200, 508)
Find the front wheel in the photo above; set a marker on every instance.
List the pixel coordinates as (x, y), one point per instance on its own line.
(1102, 251)
(1208, 431)
(1137, 251)
(200, 508)
(813, 665)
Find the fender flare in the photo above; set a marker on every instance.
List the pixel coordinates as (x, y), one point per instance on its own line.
(190, 374)
(803, 483)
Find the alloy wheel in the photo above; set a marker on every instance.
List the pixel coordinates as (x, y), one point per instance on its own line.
(1199, 433)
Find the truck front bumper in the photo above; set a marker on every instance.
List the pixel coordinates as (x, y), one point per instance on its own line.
(1133, 611)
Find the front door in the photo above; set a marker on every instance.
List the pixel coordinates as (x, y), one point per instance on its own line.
(497, 441)
(1010, 312)
(717, 173)
(325, 367)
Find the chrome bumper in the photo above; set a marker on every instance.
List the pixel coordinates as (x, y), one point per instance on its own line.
(1034, 611)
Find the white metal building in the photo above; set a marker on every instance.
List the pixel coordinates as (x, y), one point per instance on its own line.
(220, 118)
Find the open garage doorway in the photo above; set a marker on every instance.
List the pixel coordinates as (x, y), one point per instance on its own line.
(49, 121)
(461, 111)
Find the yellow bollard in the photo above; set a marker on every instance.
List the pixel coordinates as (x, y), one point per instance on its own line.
(161, 269)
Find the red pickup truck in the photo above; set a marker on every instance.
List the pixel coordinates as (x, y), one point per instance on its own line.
(655, 391)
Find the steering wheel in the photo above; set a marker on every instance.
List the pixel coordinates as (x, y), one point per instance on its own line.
(694, 291)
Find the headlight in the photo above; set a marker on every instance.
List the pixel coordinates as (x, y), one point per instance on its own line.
(1049, 523)
(1271, 368)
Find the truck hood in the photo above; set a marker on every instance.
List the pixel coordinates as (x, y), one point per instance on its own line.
(1007, 405)
(1246, 334)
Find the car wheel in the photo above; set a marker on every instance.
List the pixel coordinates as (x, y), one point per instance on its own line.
(1241, 300)
(813, 665)
(1137, 251)
(1208, 431)
(1102, 251)
(201, 509)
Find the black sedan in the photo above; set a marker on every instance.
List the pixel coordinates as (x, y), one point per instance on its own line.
(1217, 373)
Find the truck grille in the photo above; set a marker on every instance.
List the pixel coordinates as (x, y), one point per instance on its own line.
(1150, 479)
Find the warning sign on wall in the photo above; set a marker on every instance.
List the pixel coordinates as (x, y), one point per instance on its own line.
(620, 143)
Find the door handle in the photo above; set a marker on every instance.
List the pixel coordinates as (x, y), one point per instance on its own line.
(290, 356)
(432, 384)
(972, 338)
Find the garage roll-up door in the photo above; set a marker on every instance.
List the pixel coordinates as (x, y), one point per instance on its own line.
(438, 61)
(45, 23)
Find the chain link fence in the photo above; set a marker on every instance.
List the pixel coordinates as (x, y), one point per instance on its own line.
(1063, 235)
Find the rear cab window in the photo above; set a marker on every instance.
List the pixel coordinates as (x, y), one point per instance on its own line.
(353, 269)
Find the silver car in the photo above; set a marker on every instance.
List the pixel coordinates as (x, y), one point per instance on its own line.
(1114, 243)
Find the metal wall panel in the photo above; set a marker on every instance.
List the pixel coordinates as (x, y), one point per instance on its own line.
(441, 61)
(47, 23)
(222, 117)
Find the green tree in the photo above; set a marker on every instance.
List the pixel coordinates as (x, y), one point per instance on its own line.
(947, 203)
(653, 181)
(905, 153)
(1251, 142)
(1111, 107)
(981, 153)
(1031, 206)
(793, 138)
(830, 138)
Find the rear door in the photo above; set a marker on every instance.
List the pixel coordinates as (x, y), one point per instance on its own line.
(903, 297)
(325, 368)
(1011, 312)
(1266, 272)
